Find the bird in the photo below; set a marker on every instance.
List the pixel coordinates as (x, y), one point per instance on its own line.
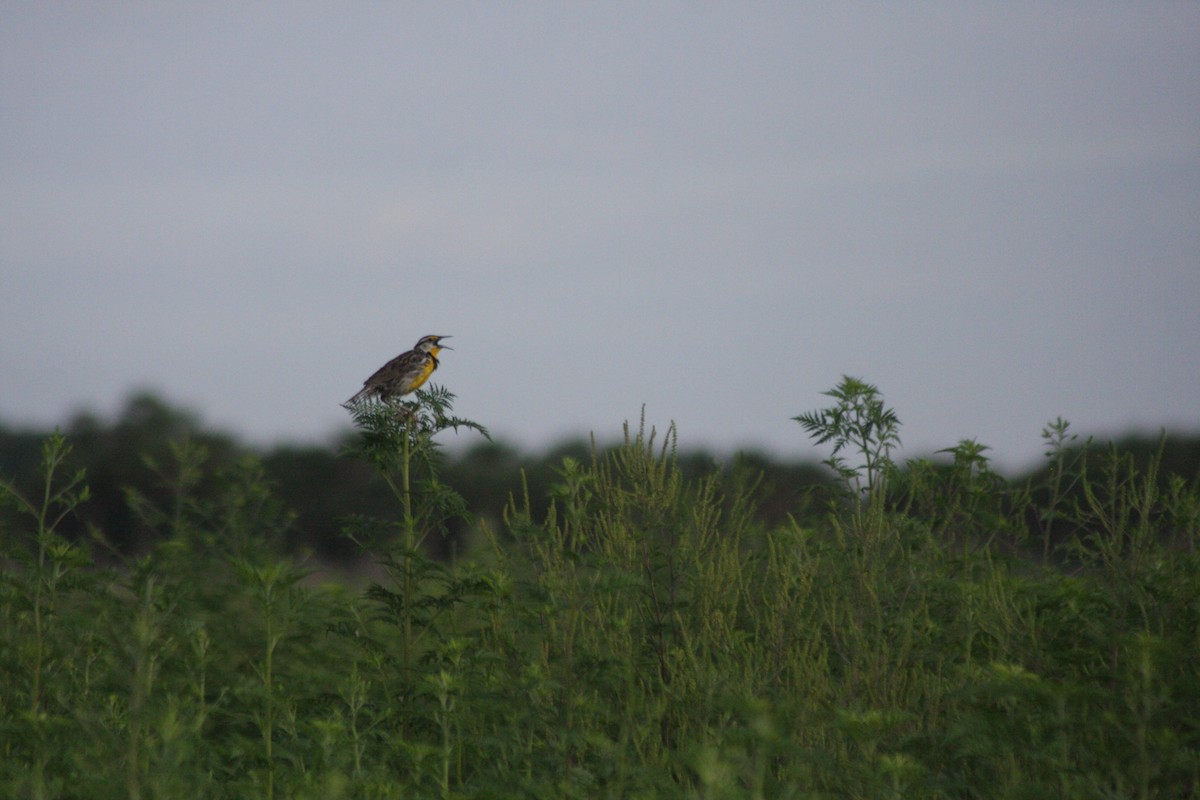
(403, 374)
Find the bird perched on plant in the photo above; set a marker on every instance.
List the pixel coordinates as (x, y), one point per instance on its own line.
(403, 374)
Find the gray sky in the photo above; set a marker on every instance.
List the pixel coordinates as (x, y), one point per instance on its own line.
(990, 210)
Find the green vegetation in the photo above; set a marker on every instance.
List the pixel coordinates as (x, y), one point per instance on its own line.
(637, 628)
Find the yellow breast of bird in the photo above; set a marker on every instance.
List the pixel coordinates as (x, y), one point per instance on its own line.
(422, 374)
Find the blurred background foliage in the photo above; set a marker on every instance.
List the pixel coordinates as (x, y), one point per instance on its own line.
(134, 453)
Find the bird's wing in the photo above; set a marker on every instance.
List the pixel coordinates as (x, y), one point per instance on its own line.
(396, 367)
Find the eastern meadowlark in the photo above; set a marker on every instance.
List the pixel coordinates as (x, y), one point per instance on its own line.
(403, 374)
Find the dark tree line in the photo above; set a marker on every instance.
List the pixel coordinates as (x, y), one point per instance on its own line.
(156, 455)
(138, 455)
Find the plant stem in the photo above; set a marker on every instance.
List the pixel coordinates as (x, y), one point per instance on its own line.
(410, 537)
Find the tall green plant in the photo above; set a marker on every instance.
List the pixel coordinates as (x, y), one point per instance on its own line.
(863, 432)
(639, 575)
(399, 440)
(1061, 479)
(861, 425)
(52, 558)
(965, 504)
(51, 566)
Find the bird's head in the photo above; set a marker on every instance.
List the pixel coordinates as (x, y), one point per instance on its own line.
(431, 345)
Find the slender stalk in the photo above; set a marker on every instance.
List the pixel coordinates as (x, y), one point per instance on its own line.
(39, 632)
(269, 701)
(410, 537)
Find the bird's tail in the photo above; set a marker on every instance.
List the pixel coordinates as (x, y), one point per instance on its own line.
(358, 397)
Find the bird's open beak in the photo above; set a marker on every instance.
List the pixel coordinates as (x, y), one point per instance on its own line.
(444, 347)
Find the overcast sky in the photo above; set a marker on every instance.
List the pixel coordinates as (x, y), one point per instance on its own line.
(990, 210)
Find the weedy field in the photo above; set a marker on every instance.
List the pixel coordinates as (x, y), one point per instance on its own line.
(939, 632)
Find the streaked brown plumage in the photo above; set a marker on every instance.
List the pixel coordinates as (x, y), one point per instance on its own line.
(403, 374)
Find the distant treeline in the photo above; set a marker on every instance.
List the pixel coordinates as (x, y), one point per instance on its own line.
(147, 456)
